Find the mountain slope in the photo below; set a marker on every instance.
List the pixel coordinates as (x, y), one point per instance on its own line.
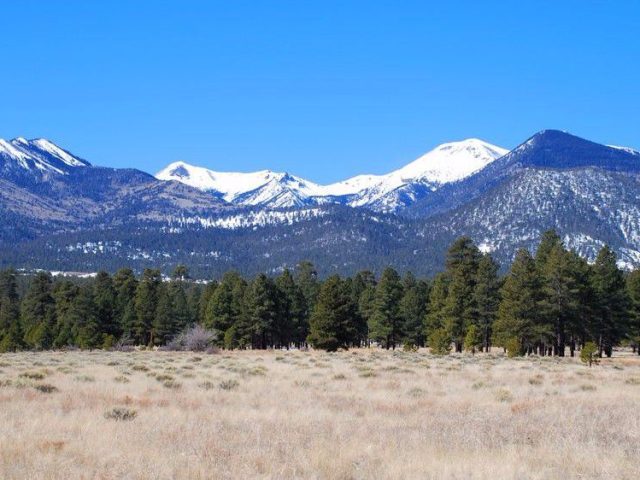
(447, 163)
(590, 193)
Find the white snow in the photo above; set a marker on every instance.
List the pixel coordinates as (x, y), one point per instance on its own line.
(56, 151)
(625, 149)
(38, 154)
(446, 163)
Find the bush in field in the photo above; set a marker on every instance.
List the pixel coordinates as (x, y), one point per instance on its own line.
(440, 342)
(514, 348)
(589, 354)
(472, 339)
(120, 414)
(194, 339)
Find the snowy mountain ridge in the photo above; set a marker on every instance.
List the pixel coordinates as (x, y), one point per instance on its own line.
(39, 155)
(446, 163)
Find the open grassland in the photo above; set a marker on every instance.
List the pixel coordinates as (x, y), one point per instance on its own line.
(356, 414)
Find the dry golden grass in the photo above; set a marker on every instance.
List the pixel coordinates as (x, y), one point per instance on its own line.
(356, 414)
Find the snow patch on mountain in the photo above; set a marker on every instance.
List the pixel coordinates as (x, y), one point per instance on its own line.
(37, 155)
(446, 163)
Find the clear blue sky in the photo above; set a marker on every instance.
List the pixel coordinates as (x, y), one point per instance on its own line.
(323, 89)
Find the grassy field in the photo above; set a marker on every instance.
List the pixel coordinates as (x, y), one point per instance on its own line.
(356, 414)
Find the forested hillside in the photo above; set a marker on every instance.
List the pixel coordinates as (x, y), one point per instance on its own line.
(545, 304)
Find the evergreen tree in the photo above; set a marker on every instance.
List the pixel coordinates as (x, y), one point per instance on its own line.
(386, 322)
(548, 241)
(435, 317)
(125, 286)
(181, 312)
(487, 298)
(293, 308)
(519, 311)
(146, 303)
(163, 324)
(332, 322)
(205, 298)
(363, 291)
(307, 279)
(413, 308)
(560, 294)
(104, 296)
(180, 273)
(633, 290)
(460, 310)
(83, 316)
(11, 335)
(64, 294)
(262, 313)
(611, 302)
(38, 313)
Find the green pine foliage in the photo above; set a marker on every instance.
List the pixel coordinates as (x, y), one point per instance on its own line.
(385, 325)
(546, 304)
(332, 324)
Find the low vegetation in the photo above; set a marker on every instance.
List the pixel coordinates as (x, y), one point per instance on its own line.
(364, 413)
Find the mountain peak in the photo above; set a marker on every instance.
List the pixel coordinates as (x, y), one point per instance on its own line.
(36, 156)
(559, 149)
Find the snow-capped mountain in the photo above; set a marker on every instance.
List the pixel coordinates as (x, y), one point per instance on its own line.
(262, 188)
(39, 156)
(74, 216)
(589, 193)
(446, 163)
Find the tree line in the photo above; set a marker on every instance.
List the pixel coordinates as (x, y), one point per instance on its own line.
(545, 304)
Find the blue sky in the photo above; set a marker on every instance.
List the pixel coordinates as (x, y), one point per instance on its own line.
(323, 89)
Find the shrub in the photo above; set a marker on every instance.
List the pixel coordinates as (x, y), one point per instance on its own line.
(120, 414)
(33, 375)
(45, 388)
(471, 339)
(589, 354)
(514, 347)
(440, 342)
(194, 339)
(228, 384)
(409, 347)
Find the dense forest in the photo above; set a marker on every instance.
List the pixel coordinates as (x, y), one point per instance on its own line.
(546, 304)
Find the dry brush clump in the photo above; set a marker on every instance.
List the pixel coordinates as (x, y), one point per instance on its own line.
(288, 414)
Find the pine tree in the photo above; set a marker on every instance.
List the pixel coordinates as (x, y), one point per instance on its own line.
(611, 301)
(633, 290)
(487, 298)
(219, 315)
(163, 326)
(38, 313)
(363, 289)
(560, 294)
(64, 294)
(11, 335)
(125, 285)
(413, 308)
(262, 311)
(460, 310)
(519, 311)
(435, 317)
(548, 241)
(146, 302)
(180, 273)
(293, 308)
(82, 315)
(386, 322)
(104, 295)
(307, 279)
(181, 312)
(332, 322)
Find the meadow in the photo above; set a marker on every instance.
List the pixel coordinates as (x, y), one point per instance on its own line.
(364, 413)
